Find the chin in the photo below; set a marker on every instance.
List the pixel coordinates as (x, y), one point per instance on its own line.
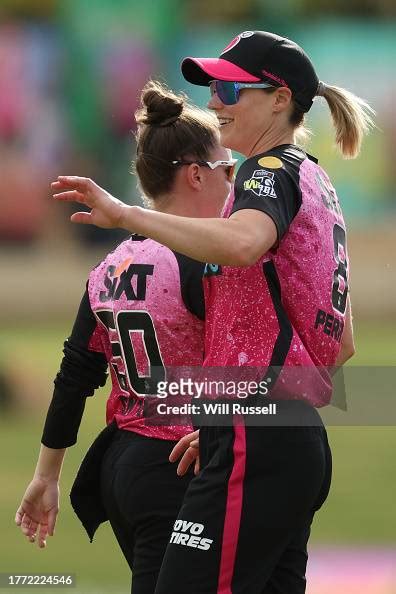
(229, 140)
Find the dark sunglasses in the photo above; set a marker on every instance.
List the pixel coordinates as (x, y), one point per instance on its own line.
(228, 91)
(229, 166)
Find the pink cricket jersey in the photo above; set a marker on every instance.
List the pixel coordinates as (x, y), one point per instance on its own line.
(286, 311)
(148, 302)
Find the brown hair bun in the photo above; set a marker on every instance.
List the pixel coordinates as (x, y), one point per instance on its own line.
(159, 107)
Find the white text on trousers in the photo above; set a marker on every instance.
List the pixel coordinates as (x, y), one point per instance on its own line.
(188, 534)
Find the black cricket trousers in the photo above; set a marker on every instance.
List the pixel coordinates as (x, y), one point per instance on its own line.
(142, 495)
(245, 521)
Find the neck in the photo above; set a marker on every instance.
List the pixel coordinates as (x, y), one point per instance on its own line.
(269, 139)
(177, 204)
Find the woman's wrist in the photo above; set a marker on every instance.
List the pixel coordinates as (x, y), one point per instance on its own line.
(49, 464)
(46, 478)
(131, 218)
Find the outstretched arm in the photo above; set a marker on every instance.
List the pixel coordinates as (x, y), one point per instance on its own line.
(237, 241)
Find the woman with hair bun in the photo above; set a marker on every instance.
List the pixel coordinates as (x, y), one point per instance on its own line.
(142, 311)
(277, 298)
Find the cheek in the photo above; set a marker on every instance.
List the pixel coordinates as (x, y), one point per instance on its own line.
(224, 189)
(227, 189)
(248, 121)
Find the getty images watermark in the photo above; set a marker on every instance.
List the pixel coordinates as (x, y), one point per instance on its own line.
(210, 396)
(198, 389)
(217, 389)
(353, 396)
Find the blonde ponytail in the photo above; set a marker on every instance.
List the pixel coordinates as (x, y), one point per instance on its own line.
(352, 118)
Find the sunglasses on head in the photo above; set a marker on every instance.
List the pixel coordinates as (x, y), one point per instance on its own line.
(228, 91)
(229, 166)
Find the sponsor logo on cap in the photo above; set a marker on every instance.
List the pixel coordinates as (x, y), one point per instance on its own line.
(236, 40)
(276, 78)
(261, 183)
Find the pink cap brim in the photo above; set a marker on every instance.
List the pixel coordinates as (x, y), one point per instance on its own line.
(200, 71)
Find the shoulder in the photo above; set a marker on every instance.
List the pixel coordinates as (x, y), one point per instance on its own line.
(278, 164)
(270, 182)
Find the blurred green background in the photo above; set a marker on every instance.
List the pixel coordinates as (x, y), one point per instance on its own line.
(70, 75)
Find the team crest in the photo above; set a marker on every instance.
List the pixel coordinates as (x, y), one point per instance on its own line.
(236, 40)
(261, 183)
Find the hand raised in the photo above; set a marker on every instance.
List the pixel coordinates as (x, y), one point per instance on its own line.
(106, 211)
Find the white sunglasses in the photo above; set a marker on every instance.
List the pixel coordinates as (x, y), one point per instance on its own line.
(229, 165)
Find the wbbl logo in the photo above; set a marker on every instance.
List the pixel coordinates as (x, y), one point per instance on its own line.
(261, 183)
(188, 534)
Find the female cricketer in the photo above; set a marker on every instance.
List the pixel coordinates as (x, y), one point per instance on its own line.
(276, 297)
(142, 311)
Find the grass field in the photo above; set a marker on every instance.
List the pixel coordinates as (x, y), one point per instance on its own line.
(361, 509)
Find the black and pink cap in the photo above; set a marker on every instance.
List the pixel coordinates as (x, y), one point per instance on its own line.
(256, 56)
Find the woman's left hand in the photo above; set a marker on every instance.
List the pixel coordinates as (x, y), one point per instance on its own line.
(38, 511)
(187, 448)
(106, 211)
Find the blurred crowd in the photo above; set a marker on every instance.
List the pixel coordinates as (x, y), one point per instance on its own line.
(62, 112)
(70, 81)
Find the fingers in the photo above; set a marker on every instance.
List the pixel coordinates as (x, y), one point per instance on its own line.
(39, 536)
(35, 532)
(26, 525)
(85, 218)
(196, 466)
(73, 181)
(31, 528)
(71, 196)
(182, 445)
(31, 536)
(188, 458)
(52, 515)
(19, 516)
(42, 534)
(107, 210)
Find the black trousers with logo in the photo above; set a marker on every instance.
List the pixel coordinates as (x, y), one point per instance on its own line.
(142, 495)
(245, 521)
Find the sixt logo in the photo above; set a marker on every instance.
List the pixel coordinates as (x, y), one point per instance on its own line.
(188, 534)
(127, 278)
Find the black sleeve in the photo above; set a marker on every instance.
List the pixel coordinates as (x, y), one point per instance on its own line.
(81, 372)
(273, 191)
(191, 273)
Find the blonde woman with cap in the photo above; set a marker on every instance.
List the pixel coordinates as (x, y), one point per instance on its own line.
(277, 298)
